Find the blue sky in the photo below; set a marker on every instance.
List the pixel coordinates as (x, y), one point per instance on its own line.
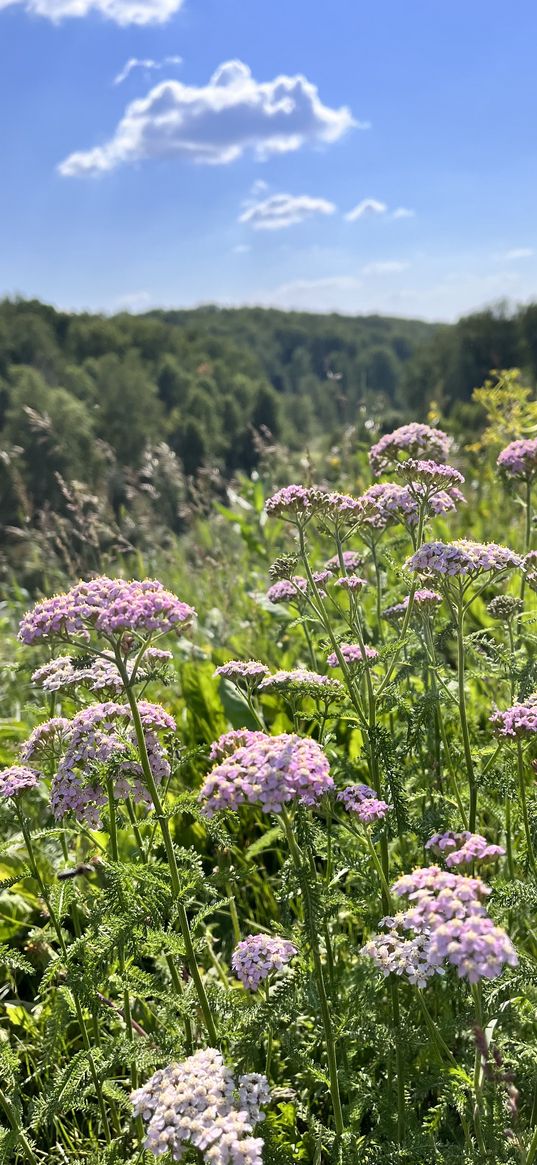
(313, 154)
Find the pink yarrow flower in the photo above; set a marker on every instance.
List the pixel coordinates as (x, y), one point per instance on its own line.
(250, 671)
(105, 605)
(519, 459)
(287, 590)
(17, 779)
(269, 771)
(463, 558)
(260, 955)
(364, 803)
(463, 849)
(415, 440)
(352, 654)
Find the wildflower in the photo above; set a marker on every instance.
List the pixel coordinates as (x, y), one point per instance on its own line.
(395, 954)
(390, 503)
(309, 683)
(44, 739)
(519, 459)
(96, 674)
(519, 720)
(474, 946)
(463, 849)
(430, 474)
(229, 742)
(416, 440)
(193, 1103)
(269, 771)
(352, 654)
(463, 558)
(294, 501)
(424, 600)
(352, 583)
(286, 590)
(250, 670)
(321, 577)
(109, 606)
(351, 561)
(16, 779)
(364, 802)
(258, 955)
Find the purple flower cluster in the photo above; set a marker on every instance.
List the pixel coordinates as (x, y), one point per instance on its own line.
(249, 671)
(424, 600)
(390, 503)
(229, 742)
(258, 956)
(447, 916)
(292, 501)
(415, 440)
(520, 720)
(17, 779)
(519, 459)
(99, 735)
(352, 654)
(286, 590)
(352, 582)
(351, 562)
(106, 605)
(306, 682)
(463, 849)
(364, 803)
(193, 1103)
(99, 674)
(269, 771)
(463, 558)
(430, 474)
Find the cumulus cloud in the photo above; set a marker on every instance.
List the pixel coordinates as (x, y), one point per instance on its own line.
(217, 123)
(283, 210)
(122, 12)
(367, 206)
(145, 63)
(385, 267)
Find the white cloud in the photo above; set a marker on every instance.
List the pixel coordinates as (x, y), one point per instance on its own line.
(145, 63)
(519, 253)
(367, 206)
(385, 267)
(403, 212)
(122, 12)
(259, 187)
(283, 210)
(217, 123)
(242, 249)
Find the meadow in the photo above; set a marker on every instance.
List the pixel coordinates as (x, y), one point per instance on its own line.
(269, 820)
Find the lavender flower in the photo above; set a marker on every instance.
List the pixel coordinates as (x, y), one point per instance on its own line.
(519, 459)
(352, 654)
(269, 771)
(97, 674)
(364, 803)
(429, 474)
(229, 742)
(287, 590)
(309, 683)
(463, 558)
(424, 600)
(193, 1103)
(395, 954)
(293, 501)
(109, 606)
(464, 848)
(389, 503)
(415, 439)
(351, 561)
(352, 583)
(520, 720)
(474, 946)
(258, 955)
(17, 779)
(44, 740)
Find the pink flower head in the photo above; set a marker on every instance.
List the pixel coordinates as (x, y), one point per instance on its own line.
(106, 605)
(258, 956)
(430, 474)
(293, 501)
(520, 720)
(414, 440)
(287, 590)
(269, 771)
(250, 671)
(519, 459)
(463, 849)
(308, 683)
(16, 779)
(463, 558)
(351, 562)
(352, 654)
(363, 801)
(229, 742)
(352, 582)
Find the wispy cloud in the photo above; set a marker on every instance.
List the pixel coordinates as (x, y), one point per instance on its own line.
(284, 210)
(518, 253)
(122, 12)
(145, 63)
(385, 267)
(403, 212)
(367, 206)
(217, 123)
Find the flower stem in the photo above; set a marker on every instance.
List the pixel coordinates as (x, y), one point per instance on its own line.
(112, 821)
(524, 804)
(464, 722)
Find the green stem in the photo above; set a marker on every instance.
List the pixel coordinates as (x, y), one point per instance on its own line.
(321, 988)
(13, 1119)
(170, 853)
(114, 849)
(524, 804)
(399, 1061)
(268, 1061)
(464, 723)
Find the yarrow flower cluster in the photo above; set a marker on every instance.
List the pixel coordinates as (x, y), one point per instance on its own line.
(96, 674)
(308, 683)
(198, 1103)
(352, 654)
(430, 474)
(249, 671)
(258, 956)
(106, 605)
(463, 558)
(364, 803)
(424, 600)
(519, 720)
(17, 779)
(352, 583)
(286, 590)
(292, 501)
(447, 916)
(100, 734)
(351, 562)
(463, 849)
(269, 771)
(229, 742)
(415, 440)
(519, 459)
